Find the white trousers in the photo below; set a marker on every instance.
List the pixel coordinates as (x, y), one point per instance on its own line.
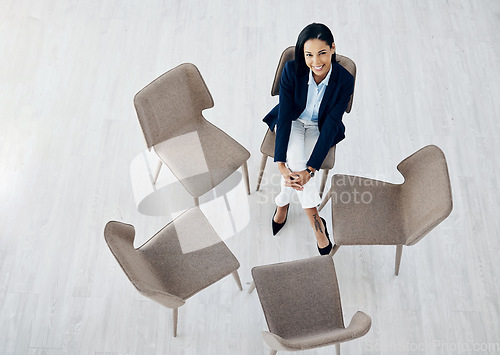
(303, 137)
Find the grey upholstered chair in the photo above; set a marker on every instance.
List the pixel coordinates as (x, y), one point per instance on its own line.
(302, 306)
(198, 153)
(180, 260)
(373, 212)
(267, 146)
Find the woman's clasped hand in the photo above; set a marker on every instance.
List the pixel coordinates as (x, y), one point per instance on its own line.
(294, 179)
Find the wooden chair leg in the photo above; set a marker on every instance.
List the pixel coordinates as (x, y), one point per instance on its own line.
(337, 349)
(175, 313)
(323, 181)
(244, 167)
(237, 279)
(325, 199)
(261, 172)
(157, 172)
(334, 249)
(252, 287)
(399, 252)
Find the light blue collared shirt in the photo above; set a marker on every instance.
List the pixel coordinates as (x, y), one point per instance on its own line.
(315, 93)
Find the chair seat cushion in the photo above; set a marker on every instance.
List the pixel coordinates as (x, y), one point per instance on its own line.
(284, 291)
(366, 212)
(202, 159)
(187, 255)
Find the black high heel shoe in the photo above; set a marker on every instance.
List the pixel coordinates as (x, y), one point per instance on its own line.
(277, 226)
(326, 250)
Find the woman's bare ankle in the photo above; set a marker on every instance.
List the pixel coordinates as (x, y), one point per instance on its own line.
(281, 213)
(321, 239)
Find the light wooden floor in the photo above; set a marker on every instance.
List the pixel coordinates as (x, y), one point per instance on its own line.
(428, 73)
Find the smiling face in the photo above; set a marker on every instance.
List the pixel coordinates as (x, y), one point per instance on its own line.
(318, 57)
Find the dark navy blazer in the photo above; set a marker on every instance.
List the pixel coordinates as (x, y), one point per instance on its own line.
(292, 102)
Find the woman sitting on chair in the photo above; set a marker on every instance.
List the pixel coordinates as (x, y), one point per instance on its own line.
(314, 93)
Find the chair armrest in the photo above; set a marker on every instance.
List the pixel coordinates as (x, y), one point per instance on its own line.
(275, 342)
(360, 325)
(166, 299)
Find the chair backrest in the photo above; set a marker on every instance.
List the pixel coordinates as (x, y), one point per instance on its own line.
(171, 105)
(289, 54)
(120, 239)
(350, 66)
(296, 299)
(426, 197)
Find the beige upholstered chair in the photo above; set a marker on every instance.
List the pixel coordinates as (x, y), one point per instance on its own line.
(302, 306)
(198, 153)
(373, 212)
(267, 146)
(180, 260)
